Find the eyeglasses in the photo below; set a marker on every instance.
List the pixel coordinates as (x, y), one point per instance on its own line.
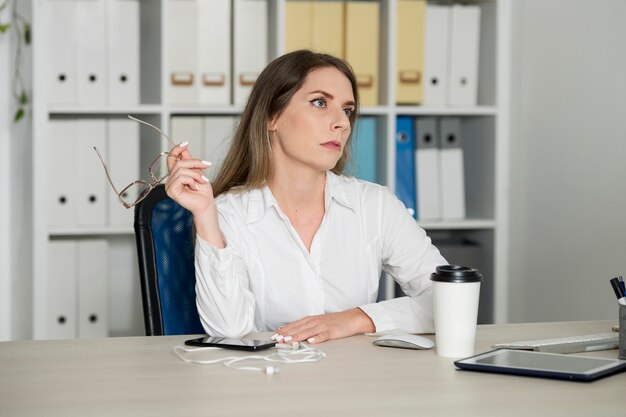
(138, 190)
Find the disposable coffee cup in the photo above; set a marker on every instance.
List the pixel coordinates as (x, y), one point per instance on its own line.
(456, 290)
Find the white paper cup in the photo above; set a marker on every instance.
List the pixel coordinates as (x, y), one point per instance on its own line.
(456, 292)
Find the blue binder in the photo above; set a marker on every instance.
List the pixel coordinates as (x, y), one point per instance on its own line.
(363, 164)
(405, 163)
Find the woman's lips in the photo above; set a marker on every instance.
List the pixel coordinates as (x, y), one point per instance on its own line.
(334, 145)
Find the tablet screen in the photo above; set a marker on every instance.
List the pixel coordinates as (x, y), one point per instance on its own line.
(551, 365)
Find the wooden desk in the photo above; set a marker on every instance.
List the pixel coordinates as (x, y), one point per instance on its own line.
(142, 377)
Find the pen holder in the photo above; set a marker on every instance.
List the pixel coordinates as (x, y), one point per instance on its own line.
(622, 331)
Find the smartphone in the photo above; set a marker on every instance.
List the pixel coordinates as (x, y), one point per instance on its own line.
(231, 343)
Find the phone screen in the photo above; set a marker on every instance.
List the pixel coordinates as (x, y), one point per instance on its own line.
(226, 343)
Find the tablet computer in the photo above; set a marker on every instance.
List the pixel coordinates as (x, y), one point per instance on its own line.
(541, 364)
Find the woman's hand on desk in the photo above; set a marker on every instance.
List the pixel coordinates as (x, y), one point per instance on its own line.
(316, 329)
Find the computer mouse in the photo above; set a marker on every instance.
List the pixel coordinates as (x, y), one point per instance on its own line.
(404, 341)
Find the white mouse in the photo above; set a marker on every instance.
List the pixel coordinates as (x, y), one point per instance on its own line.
(405, 341)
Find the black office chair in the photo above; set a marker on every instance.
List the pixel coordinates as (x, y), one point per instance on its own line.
(165, 248)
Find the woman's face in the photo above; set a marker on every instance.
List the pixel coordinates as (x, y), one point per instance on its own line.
(312, 131)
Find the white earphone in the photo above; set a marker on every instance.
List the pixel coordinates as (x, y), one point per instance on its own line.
(284, 353)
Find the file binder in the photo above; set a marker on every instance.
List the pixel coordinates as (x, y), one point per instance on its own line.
(62, 174)
(92, 272)
(91, 184)
(250, 45)
(410, 51)
(464, 53)
(217, 137)
(182, 51)
(363, 165)
(362, 31)
(214, 40)
(188, 128)
(61, 52)
(123, 52)
(452, 169)
(436, 46)
(298, 25)
(427, 169)
(91, 51)
(61, 290)
(328, 27)
(122, 157)
(405, 162)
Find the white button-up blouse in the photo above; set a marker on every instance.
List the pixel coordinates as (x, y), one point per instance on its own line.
(265, 277)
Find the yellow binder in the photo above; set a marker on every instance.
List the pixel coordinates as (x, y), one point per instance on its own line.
(298, 25)
(328, 27)
(410, 53)
(362, 31)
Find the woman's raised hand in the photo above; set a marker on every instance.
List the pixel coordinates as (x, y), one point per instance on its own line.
(186, 183)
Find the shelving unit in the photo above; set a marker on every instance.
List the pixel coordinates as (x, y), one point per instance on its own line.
(485, 129)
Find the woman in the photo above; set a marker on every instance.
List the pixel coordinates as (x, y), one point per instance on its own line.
(288, 244)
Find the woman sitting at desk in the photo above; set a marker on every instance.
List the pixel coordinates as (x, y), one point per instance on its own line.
(286, 243)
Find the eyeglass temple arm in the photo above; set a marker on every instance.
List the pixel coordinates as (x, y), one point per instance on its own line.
(106, 171)
(154, 127)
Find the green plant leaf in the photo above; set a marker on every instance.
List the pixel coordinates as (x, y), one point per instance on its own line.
(18, 115)
(27, 33)
(4, 27)
(23, 98)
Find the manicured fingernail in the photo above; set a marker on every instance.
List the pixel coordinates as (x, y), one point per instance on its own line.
(205, 178)
(311, 339)
(183, 144)
(287, 338)
(274, 336)
(207, 163)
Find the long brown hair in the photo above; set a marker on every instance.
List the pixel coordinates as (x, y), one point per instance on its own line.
(247, 163)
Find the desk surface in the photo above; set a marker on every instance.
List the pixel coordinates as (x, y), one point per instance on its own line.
(142, 376)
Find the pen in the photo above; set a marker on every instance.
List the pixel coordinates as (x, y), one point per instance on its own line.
(621, 284)
(617, 288)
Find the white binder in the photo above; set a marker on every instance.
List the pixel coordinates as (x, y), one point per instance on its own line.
(217, 133)
(91, 192)
(91, 51)
(427, 171)
(61, 290)
(61, 52)
(62, 174)
(250, 45)
(122, 157)
(452, 169)
(92, 267)
(123, 52)
(182, 51)
(436, 45)
(188, 128)
(464, 54)
(214, 41)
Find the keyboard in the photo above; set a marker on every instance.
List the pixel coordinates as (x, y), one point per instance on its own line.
(569, 344)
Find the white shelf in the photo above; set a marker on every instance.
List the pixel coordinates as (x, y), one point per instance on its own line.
(96, 232)
(85, 110)
(467, 224)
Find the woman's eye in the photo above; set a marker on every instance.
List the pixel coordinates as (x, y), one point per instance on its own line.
(348, 112)
(319, 102)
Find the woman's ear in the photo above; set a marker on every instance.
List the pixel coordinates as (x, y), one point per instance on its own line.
(271, 124)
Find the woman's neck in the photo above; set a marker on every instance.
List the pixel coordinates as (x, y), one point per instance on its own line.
(298, 190)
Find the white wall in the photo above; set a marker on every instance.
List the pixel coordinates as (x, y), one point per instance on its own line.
(568, 168)
(16, 202)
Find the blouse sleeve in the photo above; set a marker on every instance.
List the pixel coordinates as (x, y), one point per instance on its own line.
(225, 303)
(409, 256)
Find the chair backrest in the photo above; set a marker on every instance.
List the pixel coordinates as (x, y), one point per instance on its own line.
(165, 249)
